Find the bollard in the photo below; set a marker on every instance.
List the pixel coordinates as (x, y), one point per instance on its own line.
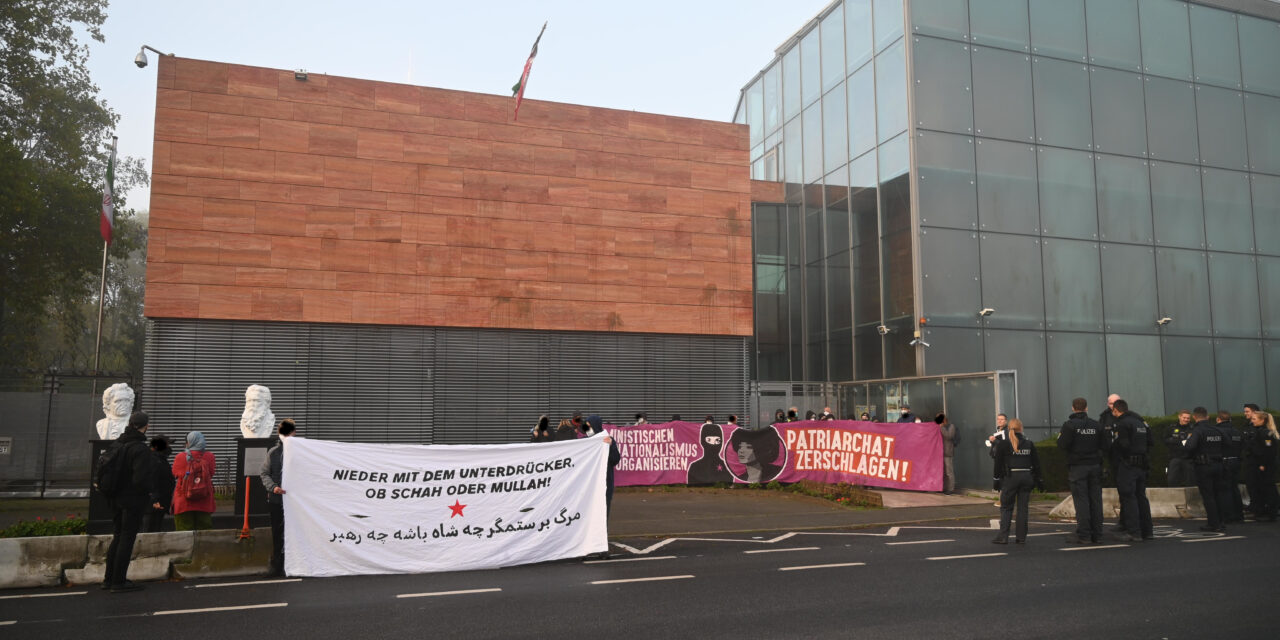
(245, 533)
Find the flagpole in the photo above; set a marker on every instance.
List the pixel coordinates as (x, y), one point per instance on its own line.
(102, 294)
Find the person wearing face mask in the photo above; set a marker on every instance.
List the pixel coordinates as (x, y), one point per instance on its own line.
(826, 414)
(709, 469)
(906, 415)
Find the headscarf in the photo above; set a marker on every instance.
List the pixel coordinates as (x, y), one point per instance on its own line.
(195, 441)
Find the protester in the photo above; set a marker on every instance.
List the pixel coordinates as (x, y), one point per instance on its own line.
(949, 440)
(271, 473)
(135, 490)
(826, 414)
(865, 417)
(1016, 471)
(193, 469)
(793, 415)
(709, 420)
(1231, 466)
(1084, 443)
(1180, 472)
(675, 417)
(906, 415)
(164, 483)
(1206, 447)
(779, 416)
(1132, 447)
(641, 419)
(565, 430)
(542, 430)
(810, 415)
(1260, 456)
(733, 421)
(595, 425)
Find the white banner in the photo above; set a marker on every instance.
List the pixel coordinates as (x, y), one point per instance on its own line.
(353, 508)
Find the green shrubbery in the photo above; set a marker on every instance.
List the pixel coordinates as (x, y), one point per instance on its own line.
(71, 526)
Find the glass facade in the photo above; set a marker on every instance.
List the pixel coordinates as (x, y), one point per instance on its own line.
(1083, 167)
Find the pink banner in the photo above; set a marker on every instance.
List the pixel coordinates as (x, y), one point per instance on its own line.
(900, 456)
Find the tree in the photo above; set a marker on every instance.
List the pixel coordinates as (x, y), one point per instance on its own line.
(53, 148)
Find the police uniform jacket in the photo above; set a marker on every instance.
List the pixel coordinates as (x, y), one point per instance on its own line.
(1083, 439)
(1177, 440)
(1261, 450)
(1132, 439)
(1206, 444)
(1009, 460)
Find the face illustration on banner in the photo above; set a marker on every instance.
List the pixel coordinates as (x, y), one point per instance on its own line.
(709, 468)
(755, 456)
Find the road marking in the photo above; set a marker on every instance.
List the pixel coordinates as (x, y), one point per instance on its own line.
(1094, 547)
(1050, 533)
(629, 559)
(447, 593)
(653, 579)
(240, 584)
(173, 612)
(824, 566)
(972, 555)
(787, 549)
(45, 595)
(4, 623)
(1215, 539)
(920, 542)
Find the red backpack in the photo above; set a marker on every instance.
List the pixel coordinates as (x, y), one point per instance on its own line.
(194, 484)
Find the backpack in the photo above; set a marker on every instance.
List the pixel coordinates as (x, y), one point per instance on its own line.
(109, 477)
(194, 485)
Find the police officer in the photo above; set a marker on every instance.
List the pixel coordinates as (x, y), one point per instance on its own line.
(1017, 469)
(1260, 455)
(1248, 471)
(1234, 441)
(1180, 473)
(1108, 422)
(1082, 440)
(1206, 444)
(1131, 448)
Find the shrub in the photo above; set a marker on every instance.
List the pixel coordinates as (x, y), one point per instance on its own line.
(71, 526)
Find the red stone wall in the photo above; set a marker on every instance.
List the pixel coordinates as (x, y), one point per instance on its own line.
(352, 201)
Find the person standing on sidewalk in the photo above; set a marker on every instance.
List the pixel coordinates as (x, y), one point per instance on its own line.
(1132, 447)
(1082, 440)
(1207, 446)
(193, 502)
(136, 495)
(164, 483)
(1260, 456)
(1231, 466)
(949, 440)
(1180, 472)
(270, 474)
(1017, 470)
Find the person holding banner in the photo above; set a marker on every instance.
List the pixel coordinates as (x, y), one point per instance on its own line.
(270, 474)
(1017, 469)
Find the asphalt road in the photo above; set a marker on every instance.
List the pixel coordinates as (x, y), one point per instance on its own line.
(935, 581)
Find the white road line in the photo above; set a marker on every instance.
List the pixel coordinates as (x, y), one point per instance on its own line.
(824, 566)
(629, 559)
(653, 579)
(920, 541)
(45, 595)
(241, 584)
(1095, 547)
(448, 593)
(1214, 539)
(173, 612)
(1050, 533)
(972, 555)
(787, 549)
(4, 623)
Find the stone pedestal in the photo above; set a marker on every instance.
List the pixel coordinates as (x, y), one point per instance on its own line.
(250, 452)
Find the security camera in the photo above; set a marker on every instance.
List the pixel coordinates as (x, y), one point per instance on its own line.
(140, 59)
(884, 331)
(1163, 321)
(986, 311)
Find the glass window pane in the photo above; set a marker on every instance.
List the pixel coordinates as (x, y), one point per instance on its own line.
(948, 18)
(1002, 106)
(1124, 199)
(1233, 283)
(999, 23)
(1269, 280)
(943, 99)
(1220, 113)
(791, 84)
(895, 201)
(795, 278)
(1062, 103)
(1075, 362)
(835, 152)
(832, 28)
(1189, 372)
(960, 351)
(1183, 282)
(863, 203)
(792, 158)
(891, 91)
(895, 227)
(771, 336)
(1007, 200)
(1214, 47)
(755, 112)
(812, 144)
(1127, 295)
(1171, 117)
(772, 103)
(1259, 51)
(1072, 285)
(1262, 115)
(1228, 219)
(810, 67)
(836, 213)
(1131, 365)
(949, 276)
(857, 31)
(1011, 281)
(1068, 198)
(1113, 33)
(947, 182)
(1118, 99)
(1176, 205)
(1239, 365)
(1266, 214)
(1023, 351)
(1166, 38)
(1057, 28)
(862, 111)
(888, 18)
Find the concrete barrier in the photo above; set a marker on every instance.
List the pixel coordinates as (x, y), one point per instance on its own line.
(1166, 502)
(39, 562)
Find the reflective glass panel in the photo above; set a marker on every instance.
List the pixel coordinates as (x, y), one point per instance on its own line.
(1000, 23)
(1176, 205)
(1121, 126)
(1214, 47)
(795, 276)
(1057, 28)
(832, 28)
(769, 227)
(1266, 214)
(943, 99)
(1011, 281)
(863, 203)
(1233, 283)
(949, 280)
(835, 152)
(1182, 276)
(1269, 280)
(1002, 106)
(1240, 379)
(862, 111)
(888, 15)
(1272, 350)
(949, 18)
(1007, 190)
(857, 31)
(755, 112)
(891, 91)
(1166, 38)
(1262, 114)
(1072, 285)
(1171, 117)
(955, 350)
(815, 305)
(1113, 33)
(1062, 103)
(947, 182)
(812, 143)
(839, 285)
(1124, 199)
(895, 227)
(1068, 199)
(1077, 363)
(836, 213)
(791, 84)
(1023, 351)
(1189, 372)
(1132, 363)
(1259, 51)
(810, 67)
(1220, 113)
(1228, 219)
(772, 99)
(1127, 295)
(792, 158)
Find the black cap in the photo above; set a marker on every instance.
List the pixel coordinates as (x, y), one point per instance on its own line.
(139, 420)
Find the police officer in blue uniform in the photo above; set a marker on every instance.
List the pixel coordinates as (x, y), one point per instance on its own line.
(1017, 469)
(1132, 447)
(1082, 439)
(1234, 441)
(1181, 471)
(1206, 444)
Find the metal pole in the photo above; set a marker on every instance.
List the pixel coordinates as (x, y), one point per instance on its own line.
(51, 381)
(102, 288)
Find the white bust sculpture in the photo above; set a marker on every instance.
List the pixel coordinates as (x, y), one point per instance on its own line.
(117, 404)
(257, 421)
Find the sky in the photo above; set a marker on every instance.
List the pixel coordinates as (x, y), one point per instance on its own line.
(687, 58)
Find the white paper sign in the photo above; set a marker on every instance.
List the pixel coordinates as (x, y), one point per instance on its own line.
(354, 508)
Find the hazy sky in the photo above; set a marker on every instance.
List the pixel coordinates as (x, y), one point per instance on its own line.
(687, 58)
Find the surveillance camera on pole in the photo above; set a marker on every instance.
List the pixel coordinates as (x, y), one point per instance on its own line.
(141, 58)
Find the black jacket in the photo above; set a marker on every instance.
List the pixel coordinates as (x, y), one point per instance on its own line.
(1206, 444)
(1260, 450)
(1009, 459)
(1082, 439)
(138, 487)
(1176, 441)
(164, 478)
(1133, 439)
(1234, 441)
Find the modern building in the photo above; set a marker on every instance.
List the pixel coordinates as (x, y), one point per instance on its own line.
(1086, 192)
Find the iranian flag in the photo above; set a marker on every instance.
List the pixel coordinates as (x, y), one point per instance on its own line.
(518, 89)
(107, 221)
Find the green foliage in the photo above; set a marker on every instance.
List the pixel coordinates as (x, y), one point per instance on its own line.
(71, 526)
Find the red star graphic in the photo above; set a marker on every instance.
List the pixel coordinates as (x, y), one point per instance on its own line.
(457, 508)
